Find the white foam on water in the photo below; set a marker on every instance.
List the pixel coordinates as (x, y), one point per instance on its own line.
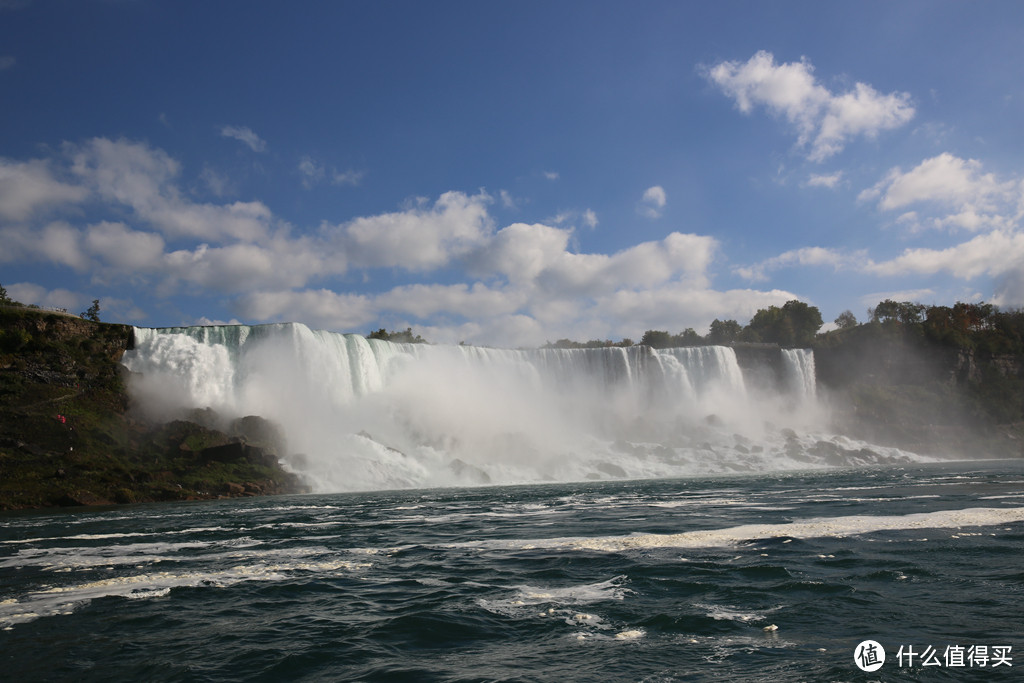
(91, 556)
(527, 598)
(730, 613)
(55, 600)
(836, 527)
(630, 634)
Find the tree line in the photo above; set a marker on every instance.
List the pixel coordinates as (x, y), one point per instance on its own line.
(982, 326)
(794, 324)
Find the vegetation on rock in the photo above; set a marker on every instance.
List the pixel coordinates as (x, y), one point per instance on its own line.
(67, 436)
(404, 337)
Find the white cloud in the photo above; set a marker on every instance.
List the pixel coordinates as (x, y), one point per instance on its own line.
(520, 284)
(245, 135)
(123, 248)
(805, 256)
(219, 185)
(830, 181)
(520, 252)
(31, 293)
(823, 120)
(419, 239)
(28, 187)
(506, 200)
(144, 179)
(314, 173)
(653, 202)
(551, 175)
(956, 190)
(7, 62)
(320, 308)
(349, 177)
(471, 301)
(919, 295)
(995, 253)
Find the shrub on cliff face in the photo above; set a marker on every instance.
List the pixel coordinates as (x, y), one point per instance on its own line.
(13, 340)
(93, 312)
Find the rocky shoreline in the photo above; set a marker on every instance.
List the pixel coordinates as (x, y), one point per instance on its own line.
(68, 436)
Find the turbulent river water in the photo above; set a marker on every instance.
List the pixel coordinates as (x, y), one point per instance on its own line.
(752, 577)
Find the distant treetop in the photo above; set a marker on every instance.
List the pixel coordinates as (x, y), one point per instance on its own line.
(404, 337)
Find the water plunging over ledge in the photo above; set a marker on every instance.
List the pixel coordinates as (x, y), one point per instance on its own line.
(363, 414)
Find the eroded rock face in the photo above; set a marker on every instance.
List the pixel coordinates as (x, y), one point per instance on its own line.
(67, 436)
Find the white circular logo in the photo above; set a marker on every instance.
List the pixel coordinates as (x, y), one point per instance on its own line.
(869, 655)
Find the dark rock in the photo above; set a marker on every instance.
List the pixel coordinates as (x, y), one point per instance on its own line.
(469, 472)
(611, 470)
(81, 498)
(238, 451)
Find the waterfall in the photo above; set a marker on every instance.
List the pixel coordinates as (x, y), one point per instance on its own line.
(361, 413)
(799, 366)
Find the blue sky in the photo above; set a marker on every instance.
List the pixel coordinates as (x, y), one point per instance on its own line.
(508, 173)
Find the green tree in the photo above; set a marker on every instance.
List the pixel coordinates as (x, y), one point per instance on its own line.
(903, 312)
(93, 312)
(846, 320)
(688, 337)
(4, 299)
(406, 336)
(656, 339)
(793, 325)
(723, 332)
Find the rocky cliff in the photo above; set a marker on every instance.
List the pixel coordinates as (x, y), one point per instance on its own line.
(891, 385)
(68, 435)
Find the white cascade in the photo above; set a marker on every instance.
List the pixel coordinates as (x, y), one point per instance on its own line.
(364, 414)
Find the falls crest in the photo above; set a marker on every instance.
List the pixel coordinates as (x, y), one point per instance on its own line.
(368, 414)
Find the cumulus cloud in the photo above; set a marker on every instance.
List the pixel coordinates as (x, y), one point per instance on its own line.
(123, 248)
(27, 187)
(31, 293)
(824, 121)
(954, 191)
(805, 256)
(653, 202)
(321, 308)
(995, 253)
(422, 238)
(116, 210)
(246, 136)
(145, 179)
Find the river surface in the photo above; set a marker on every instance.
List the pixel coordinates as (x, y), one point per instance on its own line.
(740, 578)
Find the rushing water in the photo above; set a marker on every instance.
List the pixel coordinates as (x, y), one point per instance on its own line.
(362, 414)
(659, 580)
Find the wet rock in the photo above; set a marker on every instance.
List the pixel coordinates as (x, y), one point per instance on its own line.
(611, 470)
(469, 472)
(81, 498)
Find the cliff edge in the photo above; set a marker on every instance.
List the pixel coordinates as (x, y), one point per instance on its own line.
(68, 437)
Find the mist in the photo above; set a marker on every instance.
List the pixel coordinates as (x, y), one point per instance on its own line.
(362, 414)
